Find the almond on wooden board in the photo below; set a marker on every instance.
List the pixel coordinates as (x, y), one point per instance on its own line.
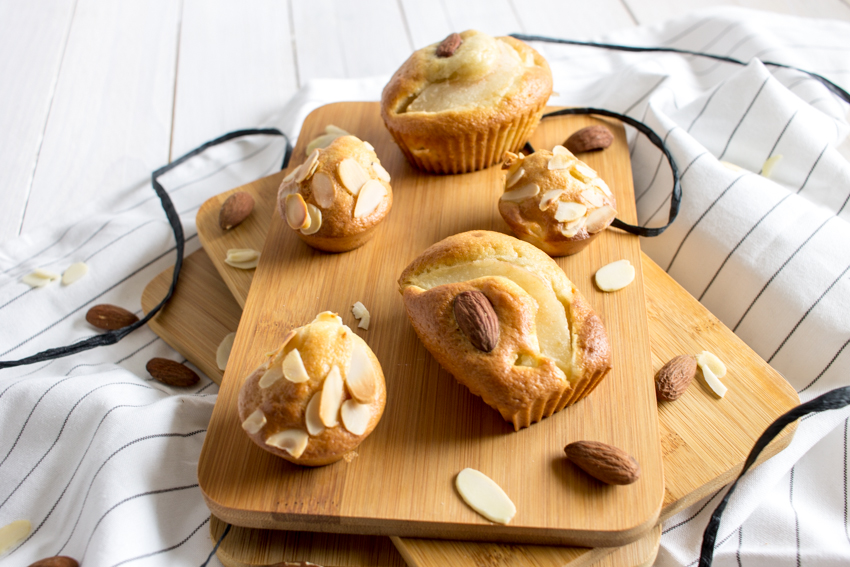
(110, 317)
(477, 319)
(58, 561)
(589, 139)
(673, 378)
(603, 462)
(171, 372)
(235, 209)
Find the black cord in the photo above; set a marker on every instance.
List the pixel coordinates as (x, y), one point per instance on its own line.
(112, 337)
(834, 399)
(217, 544)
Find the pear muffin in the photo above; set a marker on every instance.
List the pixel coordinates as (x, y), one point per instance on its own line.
(555, 201)
(336, 199)
(316, 397)
(456, 106)
(502, 317)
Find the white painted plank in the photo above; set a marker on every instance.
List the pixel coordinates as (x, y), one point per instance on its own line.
(572, 19)
(495, 17)
(110, 122)
(236, 68)
(659, 10)
(344, 39)
(31, 47)
(428, 22)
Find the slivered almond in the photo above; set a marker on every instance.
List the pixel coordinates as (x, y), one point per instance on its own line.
(524, 192)
(254, 422)
(293, 367)
(485, 496)
(315, 220)
(569, 211)
(355, 416)
(362, 314)
(222, 353)
(602, 185)
(583, 171)
(297, 216)
(615, 276)
(360, 376)
(561, 150)
(593, 198)
(308, 167)
(382, 173)
(560, 161)
(323, 189)
(14, 533)
(549, 198)
(370, 196)
(74, 272)
(352, 175)
(311, 416)
(293, 441)
(331, 399)
(515, 177)
(272, 375)
(600, 218)
(39, 277)
(242, 258)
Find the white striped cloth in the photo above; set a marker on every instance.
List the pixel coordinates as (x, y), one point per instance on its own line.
(102, 460)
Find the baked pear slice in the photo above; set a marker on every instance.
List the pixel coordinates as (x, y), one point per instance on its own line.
(483, 290)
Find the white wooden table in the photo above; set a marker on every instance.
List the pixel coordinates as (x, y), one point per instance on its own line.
(95, 94)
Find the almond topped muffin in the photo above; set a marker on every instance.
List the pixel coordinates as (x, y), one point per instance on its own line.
(458, 105)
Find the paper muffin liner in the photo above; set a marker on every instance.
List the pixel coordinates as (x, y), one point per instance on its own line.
(468, 151)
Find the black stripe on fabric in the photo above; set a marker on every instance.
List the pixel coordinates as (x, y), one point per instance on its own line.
(796, 516)
(657, 167)
(129, 499)
(61, 430)
(697, 513)
(719, 36)
(822, 372)
(710, 69)
(806, 314)
(705, 106)
(702, 216)
(681, 178)
(107, 290)
(100, 468)
(814, 165)
(17, 297)
(167, 549)
(649, 92)
(688, 31)
(782, 267)
(205, 387)
(40, 252)
(741, 120)
(738, 245)
(128, 233)
(740, 545)
(778, 138)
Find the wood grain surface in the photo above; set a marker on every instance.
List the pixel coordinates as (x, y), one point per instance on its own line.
(432, 427)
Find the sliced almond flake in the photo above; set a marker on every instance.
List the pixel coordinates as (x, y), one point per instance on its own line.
(615, 275)
(222, 353)
(311, 416)
(242, 254)
(712, 381)
(273, 373)
(562, 151)
(362, 314)
(74, 272)
(585, 170)
(309, 166)
(332, 129)
(321, 142)
(352, 175)
(371, 195)
(382, 173)
(295, 208)
(255, 422)
(13, 534)
(331, 399)
(355, 416)
(597, 182)
(293, 441)
(290, 176)
(560, 161)
(600, 218)
(524, 192)
(38, 279)
(293, 367)
(323, 190)
(770, 164)
(549, 198)
(368, 145)
(315, 220)
(515, 176)
(360, 377)
(569, 211)
(485, 496)
(593, 198)
(244, 265)
(713, 362)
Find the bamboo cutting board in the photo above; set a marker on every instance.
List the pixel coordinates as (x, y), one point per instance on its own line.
(402, 481)
(203, 311)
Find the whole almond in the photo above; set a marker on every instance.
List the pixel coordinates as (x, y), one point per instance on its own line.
(477, 319)
(603, 462)
(110, 317)
(673, 378)
(171, 373)
(589, 139)
(235, 209)
(449, 45)
(58, 561)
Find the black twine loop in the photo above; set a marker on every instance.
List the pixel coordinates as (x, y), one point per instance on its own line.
(112, 337)
(834, 399)
(220, 539)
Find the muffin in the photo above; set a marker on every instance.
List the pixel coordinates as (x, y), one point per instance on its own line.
(555, 201)
(335, 200)
(316, 397)
(502, 317)
(458, 105)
